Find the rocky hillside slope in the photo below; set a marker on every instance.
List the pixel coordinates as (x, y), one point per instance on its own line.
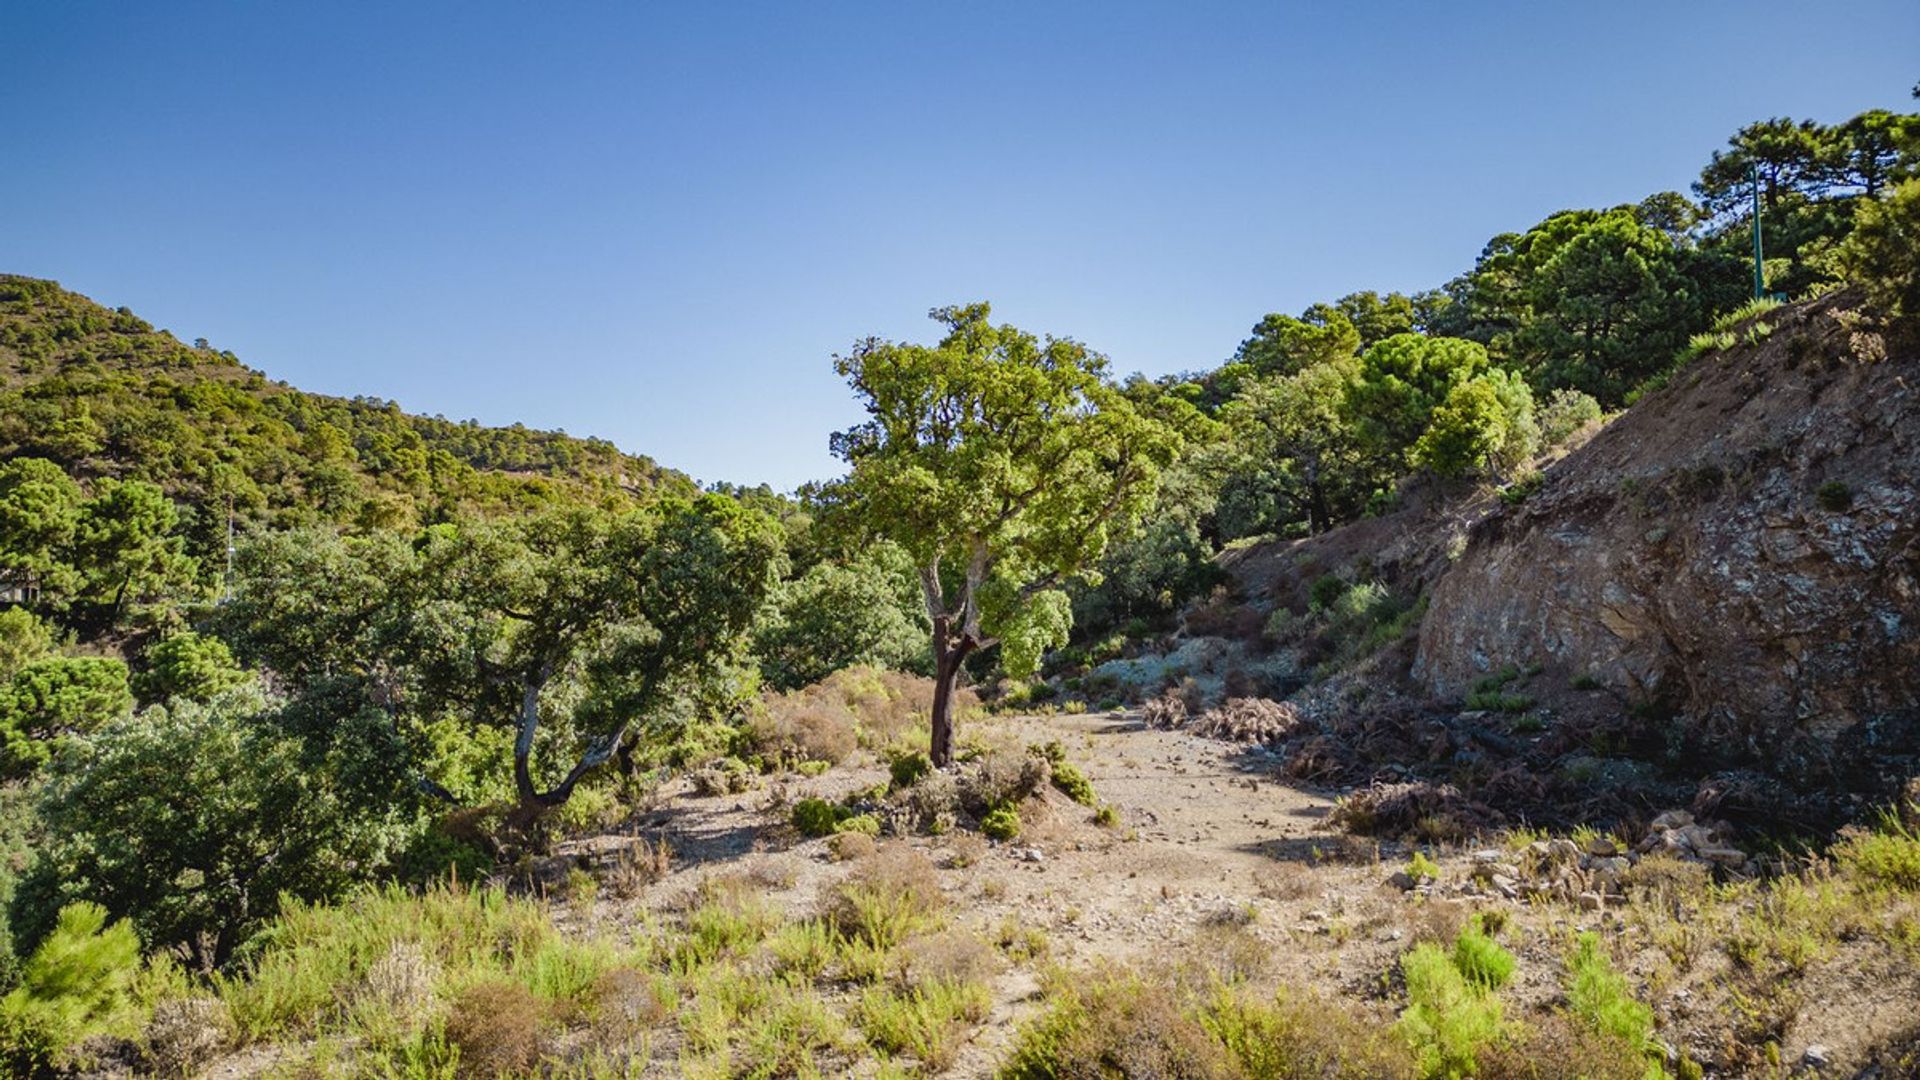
(1741, 549)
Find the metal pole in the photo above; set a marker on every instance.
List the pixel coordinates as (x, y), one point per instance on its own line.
(1759, 262)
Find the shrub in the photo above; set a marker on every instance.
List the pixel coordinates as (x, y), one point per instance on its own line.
(1001, 823)
(928, 1022)
(1480, 958)
(1888, 855)
(1248, 720)
(52, 699)
(1422, 868)
(1113, 1024)
(907, 769)
(1448, 1020)
(279, 826)
(1073, 783)
(187, 665)
(184, 1034)
(815, 817)
(1325, 590)
(846, 846)
(1565, 413)
(1002, 778)
(75, 984)
(886, 899)
(1882, 253)
(23, 639)
(496, 1027)
(1598, 996)
(1302, 1037)
(1834, 497)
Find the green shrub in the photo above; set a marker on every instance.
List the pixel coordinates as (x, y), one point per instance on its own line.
(1882, 253)
(53, 699)
(265, 821)
(1888, 855)
(928, 1023)
(1448, 1020)
(863, 824)
(1834, 497)
(1325, 590)
(815, 817)
(23, 639)
(187, 665)
(1598, 996)
(75, 984)
(907, 769)
(887, 899)
(1422, 868)
(1566, 412)
(1001, 823)
(1073, 783)
(1480, 958)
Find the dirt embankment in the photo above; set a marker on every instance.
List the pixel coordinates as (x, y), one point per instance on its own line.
(1740, 550)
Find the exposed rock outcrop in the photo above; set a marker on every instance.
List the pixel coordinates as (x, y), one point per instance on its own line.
(1741, 548)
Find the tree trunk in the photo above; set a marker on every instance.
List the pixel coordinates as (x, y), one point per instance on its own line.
(948, 657)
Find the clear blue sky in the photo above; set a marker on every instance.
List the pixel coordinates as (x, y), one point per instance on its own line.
(656, 223)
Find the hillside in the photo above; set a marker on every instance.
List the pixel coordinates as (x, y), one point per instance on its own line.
(103, 394)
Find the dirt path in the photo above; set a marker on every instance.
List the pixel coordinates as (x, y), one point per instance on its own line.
(1212, 861)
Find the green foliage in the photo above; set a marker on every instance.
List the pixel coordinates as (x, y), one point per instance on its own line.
(75, 984)
(907, 769)
(1484, 422)
(1449, 1020)
(39, 514)
(1001, 823)
(1566, 412)
(1422, 868)
(1882, 253)
(187, 665)
(1401, 381)
(864, 611)
(1073, 783)
(816, 817)
(1887, 856)
(1480, 958)
(194, 820)
(52, 700)
(1598, 996)
(23, 639)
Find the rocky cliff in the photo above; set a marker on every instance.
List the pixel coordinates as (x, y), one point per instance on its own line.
(1740, 551)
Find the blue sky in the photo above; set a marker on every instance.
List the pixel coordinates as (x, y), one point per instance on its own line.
(656, 223)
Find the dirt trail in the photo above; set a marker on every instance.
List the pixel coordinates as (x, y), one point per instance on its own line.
(1206, 838)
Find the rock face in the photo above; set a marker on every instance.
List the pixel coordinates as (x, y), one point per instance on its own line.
(1741, 548)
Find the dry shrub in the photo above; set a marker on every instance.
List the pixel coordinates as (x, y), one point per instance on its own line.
(1556, 1047)
(638, 865)
(724, 776)
(1420, 808)
(1284, 881)
(1223, 618)
(185, 1033)
(803, 725)
(849, 846)
(401, 982)
(1248, 720)
(1003, 778)
(931, 805)
(1167, 711)
(1437, 922)
(1114, 1024)
(1226, 951)
(953, 957)
(628, 1002)
(966, 850)
(1305, 1035)
(497, 1028)
(1667, 878)
(886, 898)
(856, 706)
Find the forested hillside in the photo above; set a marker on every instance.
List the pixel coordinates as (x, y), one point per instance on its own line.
(336, 740)
(105, 396)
